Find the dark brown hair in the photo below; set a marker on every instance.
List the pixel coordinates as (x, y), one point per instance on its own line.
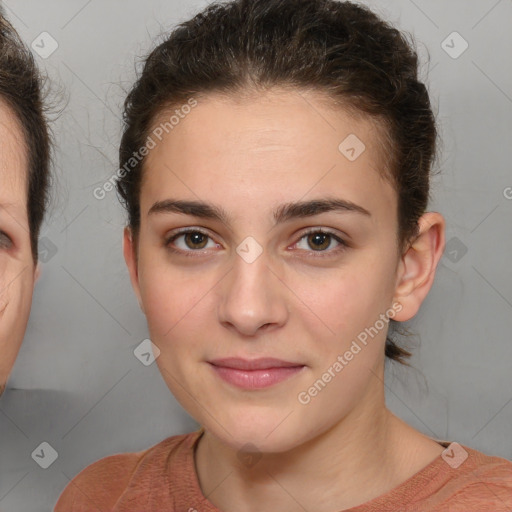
(21, 86)
(337, 48)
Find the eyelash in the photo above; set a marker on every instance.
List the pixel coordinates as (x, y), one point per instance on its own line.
(314, 254)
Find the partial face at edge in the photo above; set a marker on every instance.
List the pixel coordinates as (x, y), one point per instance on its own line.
(304, 299)
(17, 269)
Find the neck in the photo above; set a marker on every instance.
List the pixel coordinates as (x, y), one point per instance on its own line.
(364, 455)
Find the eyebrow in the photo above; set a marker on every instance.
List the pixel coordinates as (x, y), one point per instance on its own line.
(283, 213)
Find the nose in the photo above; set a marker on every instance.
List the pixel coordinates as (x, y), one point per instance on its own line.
(253, 297)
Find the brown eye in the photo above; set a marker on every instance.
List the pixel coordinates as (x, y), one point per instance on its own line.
(5, 241)
(195, 240)
(188, 241)
(319, 241)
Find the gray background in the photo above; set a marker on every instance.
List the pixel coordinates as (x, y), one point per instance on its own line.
(77, 384)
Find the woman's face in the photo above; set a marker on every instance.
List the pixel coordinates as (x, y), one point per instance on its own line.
(262, 282)
(17, 269)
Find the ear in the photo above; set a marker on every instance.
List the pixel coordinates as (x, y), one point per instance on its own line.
(37, 272)
(130, 257)
(417, 267)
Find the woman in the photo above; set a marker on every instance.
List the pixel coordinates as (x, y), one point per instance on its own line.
(275, 166)
(24, 178)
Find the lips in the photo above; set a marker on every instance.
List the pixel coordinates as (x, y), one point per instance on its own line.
(253, 364)
(253, 374)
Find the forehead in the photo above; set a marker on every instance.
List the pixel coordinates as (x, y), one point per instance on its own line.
(13, 160)
(262, 145)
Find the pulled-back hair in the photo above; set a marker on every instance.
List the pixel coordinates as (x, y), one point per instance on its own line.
(340, 49)
(21, 86)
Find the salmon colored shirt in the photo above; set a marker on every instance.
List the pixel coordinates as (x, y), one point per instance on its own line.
(163, 479)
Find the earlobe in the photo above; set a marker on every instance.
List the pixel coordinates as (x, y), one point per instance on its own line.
(418, 264)
(130, 257)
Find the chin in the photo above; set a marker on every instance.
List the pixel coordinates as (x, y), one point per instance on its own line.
(262, 435)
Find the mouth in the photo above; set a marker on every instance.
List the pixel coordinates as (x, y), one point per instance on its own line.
(254, 373)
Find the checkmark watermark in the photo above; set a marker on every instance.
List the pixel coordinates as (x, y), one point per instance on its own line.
(146, 352)
(45, 455)
(454, 45)
(249, 455)
(454, 455)
(455, 250)
(44, 45)
(351, 147)
(249, 250)
(46, 249)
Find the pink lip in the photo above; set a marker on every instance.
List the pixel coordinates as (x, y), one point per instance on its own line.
(263, 363)
(254, 373)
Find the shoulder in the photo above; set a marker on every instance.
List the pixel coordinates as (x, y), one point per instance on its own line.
(482, 480)
(100, 485)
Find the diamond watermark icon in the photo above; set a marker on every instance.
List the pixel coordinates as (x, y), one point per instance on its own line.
(351, 147)
(45, 455)
(249, 455)
(455, 249)
(44, 45)
(454, 455)
(146, 352)
(454, 45)
(249, 250)
(47, 249)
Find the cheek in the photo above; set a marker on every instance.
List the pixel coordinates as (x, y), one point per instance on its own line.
(178, 314)
(15, 302)
(15, 291)
(345, 300)
(174, 300)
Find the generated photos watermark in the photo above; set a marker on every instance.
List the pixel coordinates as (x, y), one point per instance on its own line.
(305, 397)
(157, 133)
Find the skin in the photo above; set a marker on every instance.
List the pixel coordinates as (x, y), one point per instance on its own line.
(249, 155)
(18, 273)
